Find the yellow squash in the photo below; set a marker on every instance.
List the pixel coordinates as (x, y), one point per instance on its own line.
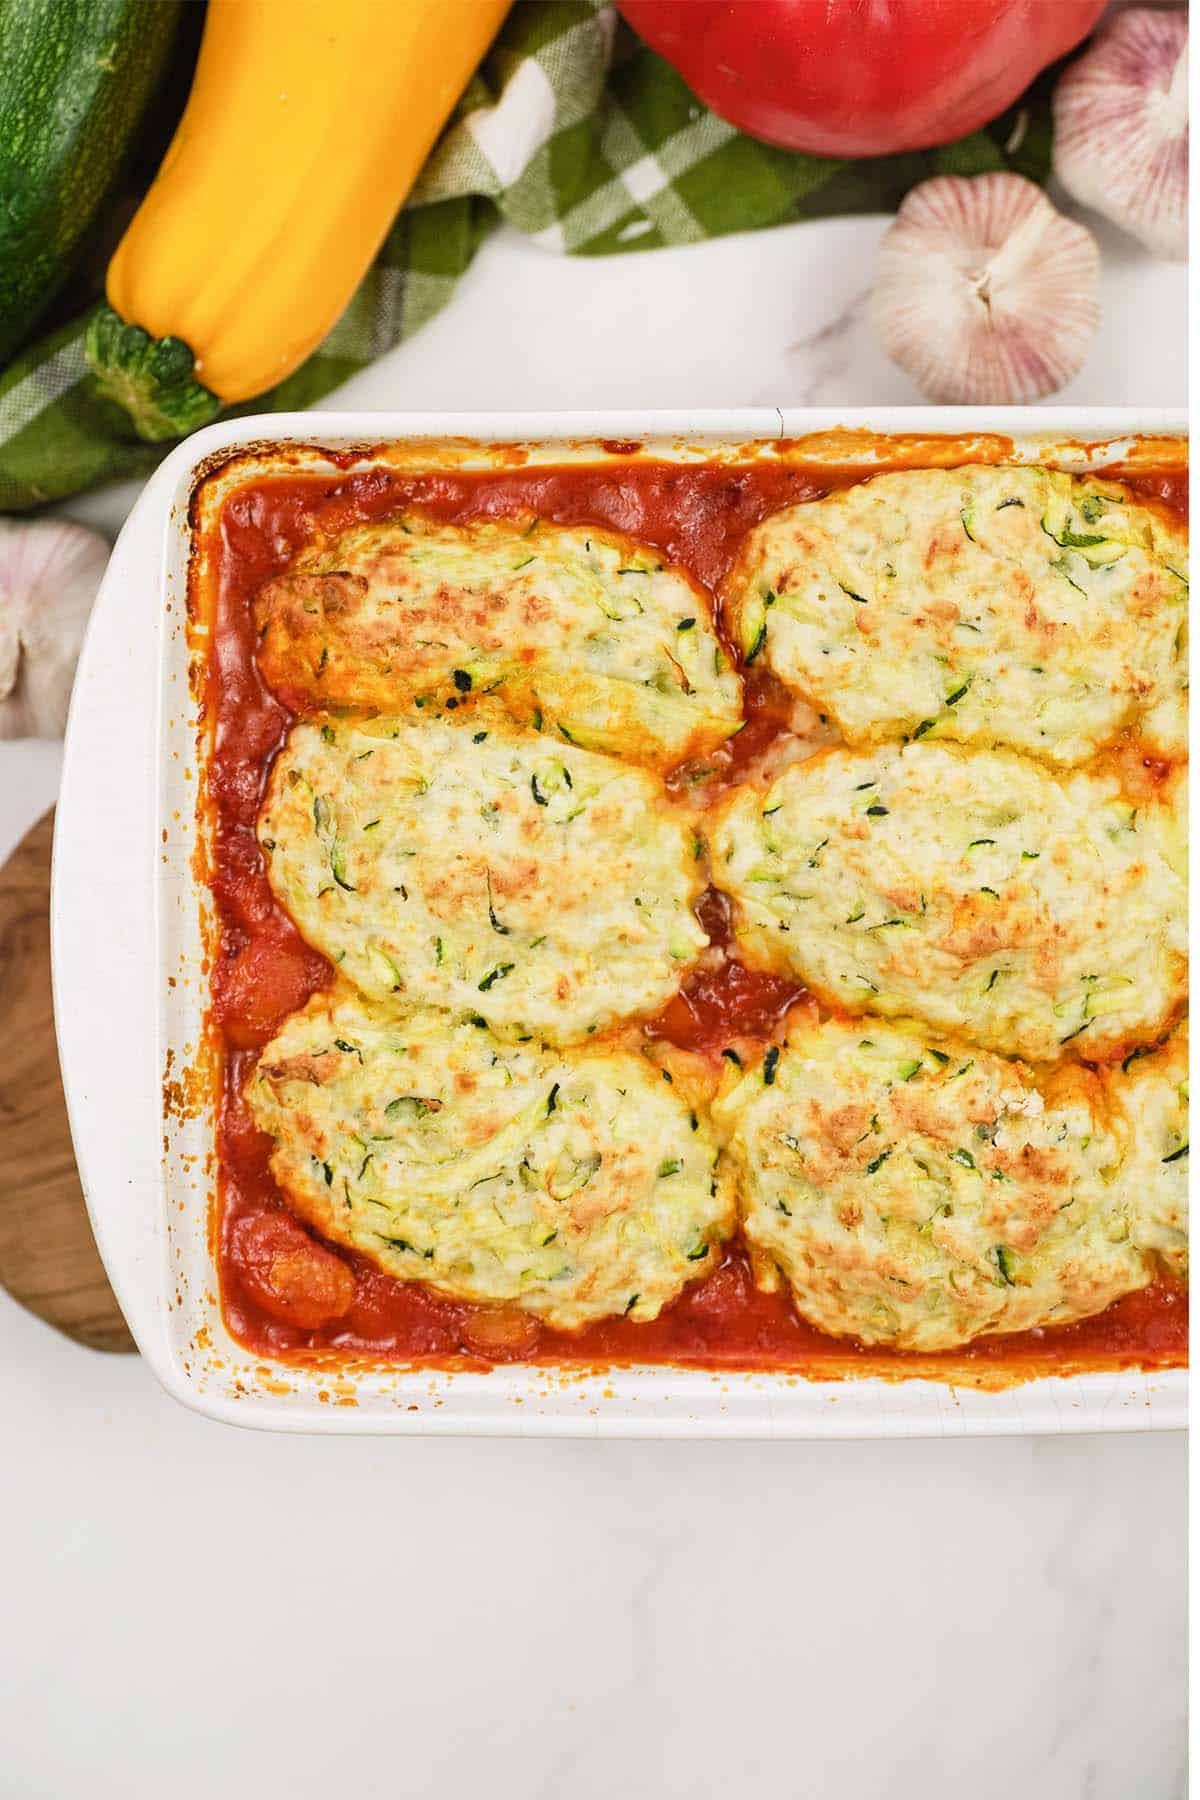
(306, 126)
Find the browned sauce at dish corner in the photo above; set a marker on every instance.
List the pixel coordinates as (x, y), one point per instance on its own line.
(287, 1295)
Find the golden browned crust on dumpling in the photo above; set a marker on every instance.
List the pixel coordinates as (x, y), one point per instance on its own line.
(916, 1192)
(583, 632)
(987, 605)
(1032, 911)
(484, 869)
(576, 1185)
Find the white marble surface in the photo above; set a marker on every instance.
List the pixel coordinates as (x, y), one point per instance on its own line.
(190, 1609)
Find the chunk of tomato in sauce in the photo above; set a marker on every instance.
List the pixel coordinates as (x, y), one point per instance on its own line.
(499, 1333)
(254, 991)
(288, 1274)
(716, 1005)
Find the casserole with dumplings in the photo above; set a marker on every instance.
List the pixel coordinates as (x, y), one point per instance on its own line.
(727, 914)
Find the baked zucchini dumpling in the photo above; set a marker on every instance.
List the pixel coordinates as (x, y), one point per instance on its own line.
(577, 1185)
(1027, 910)
(596, 637)
(1152, 1093)
(1010, 606)
(918, 1194)
(485, 870)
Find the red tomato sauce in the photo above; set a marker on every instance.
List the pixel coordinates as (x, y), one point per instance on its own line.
(1170, 487)
(287, 1295)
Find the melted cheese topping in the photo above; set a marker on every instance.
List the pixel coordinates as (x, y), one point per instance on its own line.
(484, 870)
(918, 1193)
(584, 631)
(577, 1185)
(1152, 1093)
(979, 891)
(1009, 606)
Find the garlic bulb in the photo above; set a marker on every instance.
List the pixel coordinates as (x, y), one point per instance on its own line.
(49, 574)
(1121, 127)
(984, 293)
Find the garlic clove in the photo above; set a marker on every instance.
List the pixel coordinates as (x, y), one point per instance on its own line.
(49, 573)
(1121, 127)
(10, 654)
(984, 293)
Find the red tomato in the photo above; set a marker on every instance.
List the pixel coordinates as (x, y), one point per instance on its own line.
(860, 77)
(255, 991)
(290, 1275)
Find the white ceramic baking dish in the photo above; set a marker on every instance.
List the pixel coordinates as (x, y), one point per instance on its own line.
(130, 993)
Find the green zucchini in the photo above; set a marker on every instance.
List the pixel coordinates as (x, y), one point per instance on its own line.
(75, 80)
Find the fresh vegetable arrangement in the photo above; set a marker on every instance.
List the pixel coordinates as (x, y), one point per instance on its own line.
(334, 111)
(1121, 127)
(851, 78)
(984, 292)
(50, 570)
(75, 80)
(276, 252)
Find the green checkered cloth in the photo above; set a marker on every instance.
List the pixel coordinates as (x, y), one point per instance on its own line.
(581, 138)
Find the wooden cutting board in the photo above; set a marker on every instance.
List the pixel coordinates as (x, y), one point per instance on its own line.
(48, 1257)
